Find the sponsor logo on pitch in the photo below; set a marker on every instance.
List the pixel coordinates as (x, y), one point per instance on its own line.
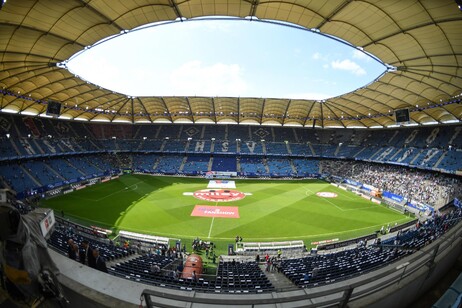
(326, 194)
(219, 195)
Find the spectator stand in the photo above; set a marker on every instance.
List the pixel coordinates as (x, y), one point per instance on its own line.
(344, 245)
(62, 233)
(317, 269)
(364, 241)
(392, 201)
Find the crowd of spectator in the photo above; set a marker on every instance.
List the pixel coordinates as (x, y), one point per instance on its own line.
(425, 187)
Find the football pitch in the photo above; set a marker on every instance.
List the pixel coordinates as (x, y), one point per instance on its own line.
(267, 210)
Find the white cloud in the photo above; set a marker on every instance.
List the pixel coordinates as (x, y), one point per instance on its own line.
(348, 65)
(96, 69)
(357, 54)
(319, 56)
(120, 77)
(194, 78)
(191, 78)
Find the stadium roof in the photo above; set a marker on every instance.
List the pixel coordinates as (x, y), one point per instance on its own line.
(421, 39)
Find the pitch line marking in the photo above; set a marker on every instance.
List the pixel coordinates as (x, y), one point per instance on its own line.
(284, 237)
(325, 199)
(211, 225)
(81, 198)
(346, 194)
(312, 193)
(116, 192)
(332, 233)
(334, 205)
(91, 220)
(362, 208)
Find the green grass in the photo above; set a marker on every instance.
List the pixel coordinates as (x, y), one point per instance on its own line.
(275, 210)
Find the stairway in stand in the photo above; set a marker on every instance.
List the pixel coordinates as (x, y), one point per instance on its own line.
(279, 281)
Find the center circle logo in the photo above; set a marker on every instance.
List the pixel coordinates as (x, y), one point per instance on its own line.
(219, 195)
(326, 194)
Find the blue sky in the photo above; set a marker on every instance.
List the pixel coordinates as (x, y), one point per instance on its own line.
(226, 58)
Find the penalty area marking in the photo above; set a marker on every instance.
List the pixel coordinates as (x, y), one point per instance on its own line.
(125, 188)
(312, 193)
(325, 199)
(346, 195)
